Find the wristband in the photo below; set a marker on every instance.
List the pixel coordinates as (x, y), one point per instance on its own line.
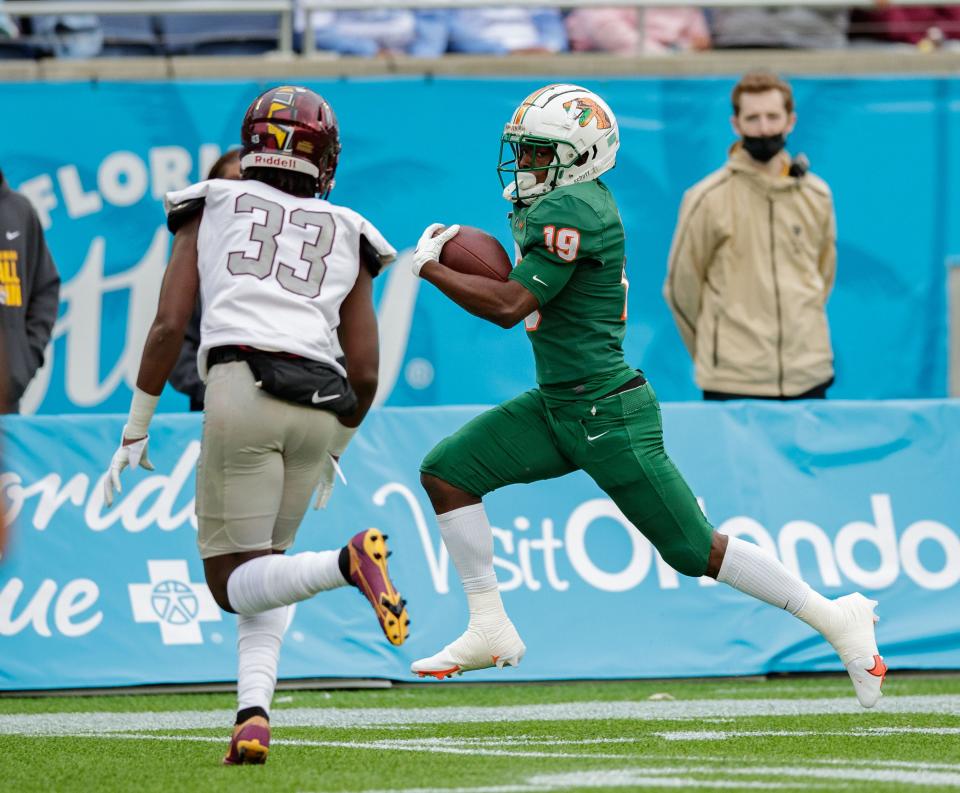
(142, 408)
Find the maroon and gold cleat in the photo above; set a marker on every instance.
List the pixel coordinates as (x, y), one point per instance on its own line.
(368, 572)
(250, 743)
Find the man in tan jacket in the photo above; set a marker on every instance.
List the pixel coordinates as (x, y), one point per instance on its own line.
(753, 261)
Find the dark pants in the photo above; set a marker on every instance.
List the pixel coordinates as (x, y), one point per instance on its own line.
(817, 392)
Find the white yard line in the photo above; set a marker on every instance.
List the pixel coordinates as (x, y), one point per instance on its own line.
(428, 745)
(940, 779)
(630, 780)
(881, 770)
(634, 778)
(863, 732)
(693, 777)
(722, 774)
(100, 722)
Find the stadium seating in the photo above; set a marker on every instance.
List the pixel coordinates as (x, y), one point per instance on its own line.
(219, 34)
(133, 34)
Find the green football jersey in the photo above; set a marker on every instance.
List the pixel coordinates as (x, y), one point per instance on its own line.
(570, 250)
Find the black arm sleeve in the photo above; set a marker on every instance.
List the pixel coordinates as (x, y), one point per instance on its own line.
(182, 213)
(369, 257)
(44, 294)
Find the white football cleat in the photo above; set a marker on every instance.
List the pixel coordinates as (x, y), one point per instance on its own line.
(477, 648)
(853, 636)
(867, 675)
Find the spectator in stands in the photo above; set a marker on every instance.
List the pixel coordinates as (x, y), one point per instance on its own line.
(632, 31)
(219, 34)
(794, 27)
(29, 294)
(70, 35)
(498, 31)
(906, 24)
(185, 377)
(367, 33)
(753, 261)
(8, 28)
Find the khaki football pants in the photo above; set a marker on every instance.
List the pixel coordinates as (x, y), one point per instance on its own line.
(260, 461)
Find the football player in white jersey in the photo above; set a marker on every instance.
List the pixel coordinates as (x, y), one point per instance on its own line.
(286, 283)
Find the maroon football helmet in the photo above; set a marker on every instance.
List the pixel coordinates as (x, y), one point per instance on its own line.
(294, 129)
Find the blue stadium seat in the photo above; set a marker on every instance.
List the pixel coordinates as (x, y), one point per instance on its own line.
(220, 34)
(133, 34)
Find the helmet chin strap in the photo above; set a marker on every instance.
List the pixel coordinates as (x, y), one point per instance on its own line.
(524, 187)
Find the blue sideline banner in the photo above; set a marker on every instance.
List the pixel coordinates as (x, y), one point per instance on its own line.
(855, 496)
(417, 151)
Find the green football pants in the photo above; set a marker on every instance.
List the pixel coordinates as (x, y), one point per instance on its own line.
(617, 441)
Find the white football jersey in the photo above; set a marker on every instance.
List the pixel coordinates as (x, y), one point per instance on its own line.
(274, 268)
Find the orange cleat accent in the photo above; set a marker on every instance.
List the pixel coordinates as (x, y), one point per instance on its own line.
(480, 647)
(879, 668)
(441, 674)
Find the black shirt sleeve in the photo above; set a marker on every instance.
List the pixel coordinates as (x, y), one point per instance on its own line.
(44, 294)
(369, 257)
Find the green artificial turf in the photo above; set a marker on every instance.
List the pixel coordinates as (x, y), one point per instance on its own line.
(364, 741)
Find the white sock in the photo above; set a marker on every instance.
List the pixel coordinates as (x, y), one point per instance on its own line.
(268, 582)
(258, 646)
(486, 609)
(817, 612)
(468, 537)
(751, 570)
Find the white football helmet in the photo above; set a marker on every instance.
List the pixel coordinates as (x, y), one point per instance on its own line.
(576, 124)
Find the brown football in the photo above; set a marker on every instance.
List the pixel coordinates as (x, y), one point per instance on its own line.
(474, 252)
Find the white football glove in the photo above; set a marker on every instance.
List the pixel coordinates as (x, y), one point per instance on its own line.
(429, 247)
(329, 472)
(133, 454)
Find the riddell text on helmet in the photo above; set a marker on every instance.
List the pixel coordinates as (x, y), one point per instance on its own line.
(282, 161)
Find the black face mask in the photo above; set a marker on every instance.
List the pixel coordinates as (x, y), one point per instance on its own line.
(764, 147)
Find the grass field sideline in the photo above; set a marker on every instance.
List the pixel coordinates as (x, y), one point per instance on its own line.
(781, 734)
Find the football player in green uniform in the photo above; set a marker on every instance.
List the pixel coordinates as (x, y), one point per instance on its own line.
(591, 410)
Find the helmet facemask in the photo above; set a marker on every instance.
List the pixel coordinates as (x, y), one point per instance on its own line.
(520, 183)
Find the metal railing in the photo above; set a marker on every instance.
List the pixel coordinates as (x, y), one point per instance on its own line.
(113, 7)
(286, 8)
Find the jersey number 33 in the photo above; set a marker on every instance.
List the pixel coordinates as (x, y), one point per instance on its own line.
(267, 231)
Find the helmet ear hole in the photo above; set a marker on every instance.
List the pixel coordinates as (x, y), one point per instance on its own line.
(584, 157)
